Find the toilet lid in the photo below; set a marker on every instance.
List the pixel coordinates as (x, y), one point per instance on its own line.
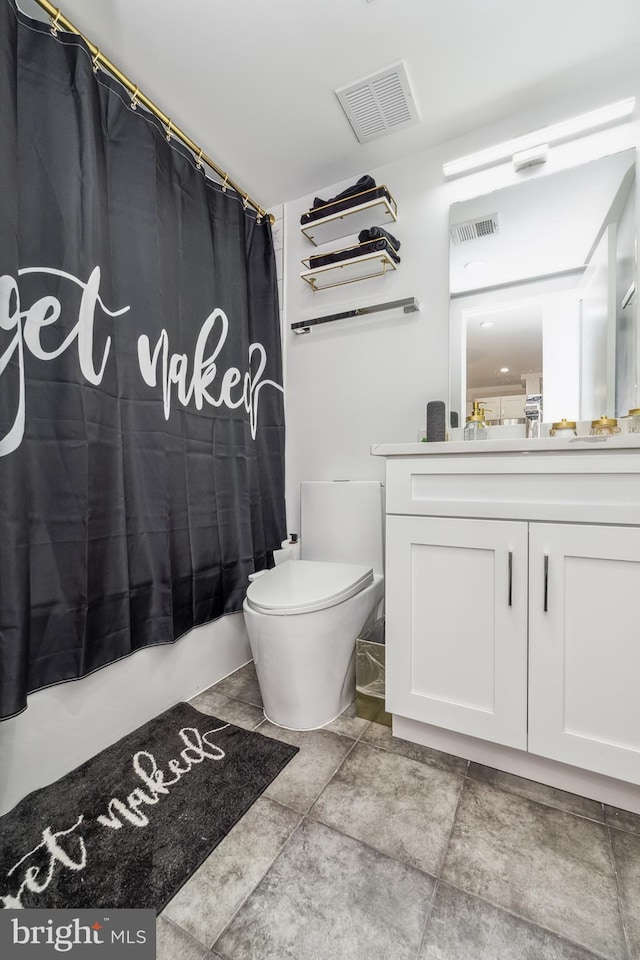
(301, 586)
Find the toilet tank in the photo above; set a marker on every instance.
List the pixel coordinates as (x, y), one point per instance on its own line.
(341, 521)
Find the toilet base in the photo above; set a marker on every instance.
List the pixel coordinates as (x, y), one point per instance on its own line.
(305, 663)
(305, 729)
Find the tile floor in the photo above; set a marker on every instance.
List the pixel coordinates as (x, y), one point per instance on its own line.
(367, 847)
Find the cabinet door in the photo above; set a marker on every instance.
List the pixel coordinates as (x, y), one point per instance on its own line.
(456, 627)
(584, 648)
(512, 408)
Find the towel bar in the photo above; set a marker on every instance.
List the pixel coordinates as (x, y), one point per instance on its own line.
(409, 305)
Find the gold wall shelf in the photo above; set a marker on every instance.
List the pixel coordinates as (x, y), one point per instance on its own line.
(368, 265)
(343, 223)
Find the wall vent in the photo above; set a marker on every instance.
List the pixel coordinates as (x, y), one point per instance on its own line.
(379, 104)
(474, 229)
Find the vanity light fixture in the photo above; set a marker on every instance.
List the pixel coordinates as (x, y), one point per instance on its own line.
(530, 158)
(504, 369)
(537, 140)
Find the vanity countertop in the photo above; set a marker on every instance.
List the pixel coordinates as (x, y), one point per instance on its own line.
(623, 443)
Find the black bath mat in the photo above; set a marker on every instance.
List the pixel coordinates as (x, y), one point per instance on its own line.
(129, 826)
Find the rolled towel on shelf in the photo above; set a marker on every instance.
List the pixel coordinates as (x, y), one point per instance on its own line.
(364, 183)
(380, 244)
(351, 253)
(378, 233)
(364, 189)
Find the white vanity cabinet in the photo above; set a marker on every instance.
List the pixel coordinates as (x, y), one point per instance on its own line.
(513, 601)
(456, 614)
(584, 646)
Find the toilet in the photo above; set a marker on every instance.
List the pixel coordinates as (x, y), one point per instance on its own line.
(304, 615)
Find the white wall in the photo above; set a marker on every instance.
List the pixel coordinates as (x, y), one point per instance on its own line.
(561, 358)
(626, 333)
(367, 380)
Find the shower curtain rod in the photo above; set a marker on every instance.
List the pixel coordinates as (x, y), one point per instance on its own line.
(59, 20)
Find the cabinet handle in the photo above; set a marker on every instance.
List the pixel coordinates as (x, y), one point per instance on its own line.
(510, 578)
(546, 583)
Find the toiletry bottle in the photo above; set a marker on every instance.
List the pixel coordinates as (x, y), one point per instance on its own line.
(604, 427)
(563, 428)
(633, 418)
(476, 426)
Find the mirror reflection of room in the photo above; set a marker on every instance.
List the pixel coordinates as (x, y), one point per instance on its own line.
(543, 301)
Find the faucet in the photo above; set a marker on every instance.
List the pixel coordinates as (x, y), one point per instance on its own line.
(533, 414)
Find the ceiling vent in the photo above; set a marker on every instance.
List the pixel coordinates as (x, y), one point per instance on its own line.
(474, 229)
(380, 104)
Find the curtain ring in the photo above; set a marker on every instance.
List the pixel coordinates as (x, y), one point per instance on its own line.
(168, 135)
(245, 202)
(199, 160)
(224, 183)
(96, 62)
(134, 99)
(54, 23)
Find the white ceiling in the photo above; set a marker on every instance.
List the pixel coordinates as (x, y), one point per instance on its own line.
(253, 81)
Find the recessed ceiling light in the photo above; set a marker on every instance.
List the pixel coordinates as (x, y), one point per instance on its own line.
(487, 323)
(504, 369)
(475, 266)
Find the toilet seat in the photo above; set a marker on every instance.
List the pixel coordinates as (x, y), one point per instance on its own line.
(302, 586)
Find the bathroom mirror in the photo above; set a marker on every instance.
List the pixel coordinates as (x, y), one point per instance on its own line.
(543, 295)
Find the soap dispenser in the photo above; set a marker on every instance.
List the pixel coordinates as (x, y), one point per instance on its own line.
(476, 426)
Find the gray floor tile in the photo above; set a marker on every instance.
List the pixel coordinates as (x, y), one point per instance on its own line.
(381, 736)
(626, 851)
(239, 712)
(328, 897)
(207, 902)
(306, 775)
(543, 864)
(462, 927)
(174, 944)
(622, 819)
(401, 808)
(348, 724)
(537, 791)
(241, 685)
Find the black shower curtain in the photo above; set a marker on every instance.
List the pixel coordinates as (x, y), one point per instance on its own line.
(141, 409)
